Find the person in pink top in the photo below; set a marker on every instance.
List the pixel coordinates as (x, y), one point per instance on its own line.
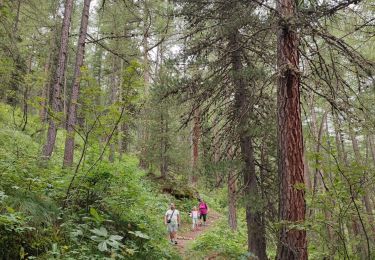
(203, 211)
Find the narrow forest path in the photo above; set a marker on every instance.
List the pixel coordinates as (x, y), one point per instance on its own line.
(187, 236)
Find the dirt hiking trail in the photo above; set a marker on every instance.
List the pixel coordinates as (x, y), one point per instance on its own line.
(187, 236)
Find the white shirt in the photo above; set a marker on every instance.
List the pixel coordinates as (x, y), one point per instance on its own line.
(194, 214)
(173, 217)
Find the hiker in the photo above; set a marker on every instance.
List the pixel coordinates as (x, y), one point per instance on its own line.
(194, 217)
(172, 220)
(203, 211)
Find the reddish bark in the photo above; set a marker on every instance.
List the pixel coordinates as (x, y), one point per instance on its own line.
(292, 209)
(72, 115)
(59, 79)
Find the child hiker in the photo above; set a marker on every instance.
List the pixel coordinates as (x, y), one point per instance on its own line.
(194, 217)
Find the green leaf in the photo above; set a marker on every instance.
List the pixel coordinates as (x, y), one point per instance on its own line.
(96, 215)
(103, 246)
(115, 237)
(10, 209)
(100, 232)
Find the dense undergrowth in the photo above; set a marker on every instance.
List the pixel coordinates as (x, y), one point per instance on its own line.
(112, 210)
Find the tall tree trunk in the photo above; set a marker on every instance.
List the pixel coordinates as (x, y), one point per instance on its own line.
(338, 139)
(17, 18)
(317, 132)
(162, 173)
(332, 236)
(144, 134)
(371, 144)
(342, 159)
(72, 115)
(232, 194)
(121, 127)
(25, 110)
(59, 77)
(163, 142)
(307, 172)
(292, 208)
(369, 193)
(65, 97)
(113, 95)
(45, 90)
(50, 66)
(255, 223)
(232, 200)
(196, 132)
(216, 147)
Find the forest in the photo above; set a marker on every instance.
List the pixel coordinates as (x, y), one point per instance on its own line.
(111, 110)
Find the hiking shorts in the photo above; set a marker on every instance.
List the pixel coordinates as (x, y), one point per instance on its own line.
(204, 216)
(172, 227)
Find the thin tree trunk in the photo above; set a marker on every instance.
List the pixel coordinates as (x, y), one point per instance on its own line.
(162, 172)
(342, 159)
(26, 95)
(327, 212)
(120, 130)
(144, 134)
(307, 172)
(17, 18)
(338, 139)
(216, 146)
(45, 91)
(59, 77)
(232, 200)
(292, 208)
(317, 132)
(164, 144)
(372, 148)
(123, 139)
(113, 98)
(255, 223)
(361, 163)
(65, 98)
(72, 115)
(232, 194)
(196, 131)
(354, 224)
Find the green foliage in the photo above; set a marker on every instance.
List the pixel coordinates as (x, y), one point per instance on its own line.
(113, 211)
(221, 243)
